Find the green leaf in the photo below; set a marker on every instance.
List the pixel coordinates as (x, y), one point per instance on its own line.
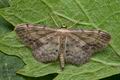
(99, 14)
(4, 3)
(47, 77)
(8, 66)
(5, 26)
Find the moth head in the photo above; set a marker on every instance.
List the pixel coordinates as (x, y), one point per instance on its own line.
(64, 27)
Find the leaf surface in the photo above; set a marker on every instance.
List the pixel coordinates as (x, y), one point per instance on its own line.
(87, 14)
(8, 67)
(4, 3)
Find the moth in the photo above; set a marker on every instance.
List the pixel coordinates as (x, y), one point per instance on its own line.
(68, 46)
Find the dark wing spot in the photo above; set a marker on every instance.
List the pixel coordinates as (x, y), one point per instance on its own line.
(66, 51)
(56, 50)
(85, 47)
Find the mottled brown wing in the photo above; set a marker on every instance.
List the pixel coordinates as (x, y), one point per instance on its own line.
(80, 45)
(42, 40)
(75, 54)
